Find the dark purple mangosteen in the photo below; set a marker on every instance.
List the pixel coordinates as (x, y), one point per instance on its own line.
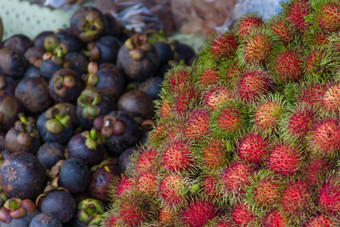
(184, 52)
(55, 124)
(88, 146)
(101, 179)
(104, 50)
(65, 85)
(18, 42)
(120, 130)
(7, 85)
(33, 93)
(124, 161)
(10, 107)
(50, 153)
(23, 137)
(71, 41)
(59, 203)
(89, 212)
(78, 62)
(87, 23)
(111, 25)
(152, 86)
(107, 78)
(45, 220)
(146, 127)
(39, 39)
(138, 103)
(48, 67)
(17, 212)
(32, 71)
(22, 175)
(91, 104)
(12, 63)
(138, 59)
(34, 55)
(165, 52)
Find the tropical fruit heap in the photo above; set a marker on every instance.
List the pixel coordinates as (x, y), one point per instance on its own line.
(249, 135)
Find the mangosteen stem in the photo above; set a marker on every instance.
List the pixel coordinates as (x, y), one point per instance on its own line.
(23, 119)
(59, 53)
(93, 134)
(14, 205)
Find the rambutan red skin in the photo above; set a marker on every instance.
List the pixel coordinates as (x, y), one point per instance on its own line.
(330, 100)
(267, 192)
(213, 154)
(320, 221)
(171, 190)
(274, 219)
(229, 119)
(184, 101)
(314, 170)
(178, 80)
(147, 182)
(178, 157)
(131, 214)
(210, 184)
(257, 48)
(285, 160)
(236, 177)
(198, 213)
(282, 29)
(198, 124)
(288, 66)
(247, 24)
(125, 186)
(214, 97)
(253, 85)
(209, 77)
(224, 46)
(253, 148)
(329, 17)
(296, 198)
(146, 161)
(242, 215)
(300, 123)
(312, 94)
(298, 9)
(329, 197)
(268, 114)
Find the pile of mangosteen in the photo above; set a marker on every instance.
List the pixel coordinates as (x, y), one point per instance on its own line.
(74, 103)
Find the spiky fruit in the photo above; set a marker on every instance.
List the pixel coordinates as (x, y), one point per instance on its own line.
(283, 30)
(178, 80)
(315, 169)
(185, 101)
(198, 213)
(173, 190)
(209, 77)
(242, 215)
(328, 16)
(330, 101)
(215, 96)
(253, 148)
(320, 221)
(148, 183)
(198, 124)
(211, 187)
(296, 198)
(168, 217)
(233, 72)
(311, 95)
(275, 219)
(224, 46)
(325, 138)
(253, 84)
(214, 155)
(147, 161)
(288, 67)
(285, 160)
(296, 11)
(125, 186)
(329, 196)
(257, 48)
(247, 24)
(165, 109)
(178, 157)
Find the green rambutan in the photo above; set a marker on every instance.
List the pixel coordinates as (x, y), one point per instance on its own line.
(209, 77)
(197, 124)
(324, 139)
(320, 221)
(214, 155)
(215, 96)
(198, 213)
(253, 84)
(296, 11)
(328, 15)
(285, 160)
(330, 101)
(296, 199)
(247, 24)
(329, 196)
(253, 147)
(275, 219)
(224, 46)
(173, 191)
(242, 215)
(283, 29)
(146, 161)
(177, 157)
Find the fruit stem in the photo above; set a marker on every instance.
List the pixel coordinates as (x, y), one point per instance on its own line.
(14, 205)
(93, 134)
(23, 119)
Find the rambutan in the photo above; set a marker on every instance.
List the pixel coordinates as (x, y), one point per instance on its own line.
(146, 161)
(178, 80)
(242, 215)
(224, 45)
(253, 147)
(282, 29)
(248, 23)
(125, 186)
(147, 182)
(168, 217)
(209, 77)
(330, 101)
(329, 196)
(198, 213)
(256, 48)
(328, 16)
(253, 84)
(185, 101)
(285, 159)
(233, 72)
(165, 109)
(311, 95)
(288, 67)
(275, 219)
(213, 155)
(296, 198)
(197, 124)
(215, 96)
(177, 157)
(173, 190)
(211, 187)
(315, 169)
(296, 11)
(320, 221)
(324, 139)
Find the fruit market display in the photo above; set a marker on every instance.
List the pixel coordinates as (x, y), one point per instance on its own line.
(249, 135)
(74, 103)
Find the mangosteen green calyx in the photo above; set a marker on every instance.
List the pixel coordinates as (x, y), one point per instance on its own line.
(23, 137)
(138, 58)
(17, 212)
(22, 176)
(90, 211)
(55, 124)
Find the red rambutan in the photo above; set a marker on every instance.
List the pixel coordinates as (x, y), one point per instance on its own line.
(211, 187)
(198, 213)
(296, 11)
(209, 77)
(165, 109)
(147, 161)
(283, 30)
(328, 16)
(320, 221)
(177, 80)
(329, 196)
(185, 101)
(215, 96)
(173, 190)
(315, 169)
(178, 157)
(168, 217)
(288, 67)
(257, 48)
(125, 186)
(224, 46)
(266, 191)
(147, 182)
(296, 198)
(285, 160)
(214, 154)
(248, 23)
(242, 215)
(311, 95)
(197, 124)
(253, 148)
(275, 219)
(233, 72)
(330, 101)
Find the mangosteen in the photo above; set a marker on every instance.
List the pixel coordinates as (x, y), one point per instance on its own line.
(58, 203)
(34, 55)
(45, 220)
(78, 62)
(124, 161)
(48, 67)
(7, 85)
(50, 153)
(90, 211)
(23, 137)
(91, 104)
(33, 93)
(9, 110)
(12, 63)
(39, 39)
(104, 176)
(32, 71)
(69, 40)
(184, 52)
(87, 23)
(18, 42)
(51, 42)
(104, 50)
(138, 59)
(65, 85)
(138, 103)
(17, 212)
(88, 146)
(22, 175)
(108, 79)
(164, 51)
(152, 86)
(120, 130)
(55, 124)
(111, 25)
(72, 174)
(146, 127)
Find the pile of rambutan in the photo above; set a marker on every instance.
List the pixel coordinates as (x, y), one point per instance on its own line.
(249, 135)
